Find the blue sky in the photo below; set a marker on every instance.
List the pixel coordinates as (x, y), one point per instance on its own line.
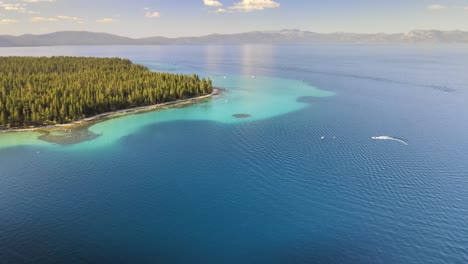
(173, 18)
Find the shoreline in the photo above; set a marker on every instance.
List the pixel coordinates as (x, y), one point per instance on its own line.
(108, 115)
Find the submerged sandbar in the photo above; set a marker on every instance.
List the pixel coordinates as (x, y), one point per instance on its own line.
(77, 132)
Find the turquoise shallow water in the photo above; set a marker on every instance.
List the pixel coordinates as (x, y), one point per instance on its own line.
(196, 185)
(260, 97)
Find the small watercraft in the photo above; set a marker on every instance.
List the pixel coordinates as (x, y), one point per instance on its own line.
(389, 138)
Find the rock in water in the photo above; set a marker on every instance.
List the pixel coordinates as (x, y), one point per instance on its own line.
(241, 115)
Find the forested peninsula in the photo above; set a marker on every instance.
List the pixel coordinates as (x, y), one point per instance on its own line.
(44, 91)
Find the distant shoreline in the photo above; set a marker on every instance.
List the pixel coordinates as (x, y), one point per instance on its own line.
(280, 37)
(116, 113)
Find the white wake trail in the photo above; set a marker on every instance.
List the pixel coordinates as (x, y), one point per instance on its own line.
(389, 138)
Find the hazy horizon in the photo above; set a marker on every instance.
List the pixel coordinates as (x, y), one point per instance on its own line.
(234, 33)
(143, 18)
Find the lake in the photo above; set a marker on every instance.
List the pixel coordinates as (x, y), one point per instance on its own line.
(279, 168)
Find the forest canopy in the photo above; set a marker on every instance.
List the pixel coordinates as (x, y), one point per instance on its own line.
(39, 91)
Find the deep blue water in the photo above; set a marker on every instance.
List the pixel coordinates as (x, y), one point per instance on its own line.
(265, 190)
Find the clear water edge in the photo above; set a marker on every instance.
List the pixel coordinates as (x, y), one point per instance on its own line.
(260, 97)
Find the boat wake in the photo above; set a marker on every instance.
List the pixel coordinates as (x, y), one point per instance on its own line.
(390, 138)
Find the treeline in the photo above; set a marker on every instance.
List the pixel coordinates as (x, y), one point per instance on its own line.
(37, 91)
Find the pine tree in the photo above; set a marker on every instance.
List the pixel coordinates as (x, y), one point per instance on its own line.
(41, 91)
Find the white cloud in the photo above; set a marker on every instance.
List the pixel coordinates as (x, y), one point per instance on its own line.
(435, 7)
(105, 20)
(43, 19)
(221, 10)
(20, 7)
(71, 18)
(252, 5)
(68, 18)
(152, 15)
(13, 7)
(7, 21)
(212, 3)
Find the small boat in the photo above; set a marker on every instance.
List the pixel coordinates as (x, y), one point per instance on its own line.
(390, 138)
(322, 138)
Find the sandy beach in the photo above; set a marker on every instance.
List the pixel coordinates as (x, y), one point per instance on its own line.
(113, 114)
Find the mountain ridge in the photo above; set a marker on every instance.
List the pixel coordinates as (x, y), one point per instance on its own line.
(286, 36)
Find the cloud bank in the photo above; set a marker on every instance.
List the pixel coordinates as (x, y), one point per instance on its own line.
(105, 20)
(435, 7)
(254, 5)
(212, 3)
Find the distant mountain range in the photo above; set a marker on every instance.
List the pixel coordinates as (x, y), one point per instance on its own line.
(66, 38)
